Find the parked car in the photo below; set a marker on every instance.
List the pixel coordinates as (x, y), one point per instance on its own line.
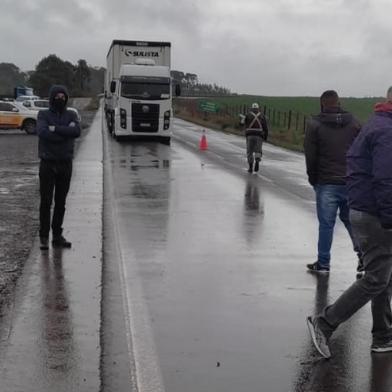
(39, 104)
(22, 98)
(14, 115)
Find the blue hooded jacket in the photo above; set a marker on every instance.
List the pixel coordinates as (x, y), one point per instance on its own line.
(57, 145)
(369, 167)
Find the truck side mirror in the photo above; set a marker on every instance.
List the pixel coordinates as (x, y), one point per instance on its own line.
(177, 90)
(113, 86)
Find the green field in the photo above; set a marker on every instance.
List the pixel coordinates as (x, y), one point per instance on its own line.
(286, 116)
(360, 107)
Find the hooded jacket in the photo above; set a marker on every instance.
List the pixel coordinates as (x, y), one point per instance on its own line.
(57, 145)
(328, 136)
(369, 167)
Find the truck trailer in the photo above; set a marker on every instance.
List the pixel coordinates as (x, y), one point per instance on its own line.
(138, 90)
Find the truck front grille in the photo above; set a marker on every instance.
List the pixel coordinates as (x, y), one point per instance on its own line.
(145, 117)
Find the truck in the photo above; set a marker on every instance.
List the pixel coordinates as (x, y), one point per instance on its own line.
(23, 91)
(138, 90)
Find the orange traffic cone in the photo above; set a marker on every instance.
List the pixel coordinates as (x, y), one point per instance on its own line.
(203, 145)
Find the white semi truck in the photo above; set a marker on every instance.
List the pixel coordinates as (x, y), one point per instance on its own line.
(138, 90)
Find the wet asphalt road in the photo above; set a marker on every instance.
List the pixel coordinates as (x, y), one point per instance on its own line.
(206, 288)
(204, 285)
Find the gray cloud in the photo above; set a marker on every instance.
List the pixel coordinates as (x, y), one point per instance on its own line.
(284, 47)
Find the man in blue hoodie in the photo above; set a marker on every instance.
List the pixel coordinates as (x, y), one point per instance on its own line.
(57, 128)
(369, 170)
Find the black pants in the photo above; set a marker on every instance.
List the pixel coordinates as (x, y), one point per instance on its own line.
(54, 177)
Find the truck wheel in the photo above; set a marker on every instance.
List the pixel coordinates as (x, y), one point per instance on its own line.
(166, 140)
(29, 127)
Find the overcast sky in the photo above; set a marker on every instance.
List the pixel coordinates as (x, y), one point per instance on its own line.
(266, 47)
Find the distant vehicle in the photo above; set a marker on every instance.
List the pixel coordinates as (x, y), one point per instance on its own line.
(138, 89)
(23, 90)
(36, 104)
(14, 115)
(40, 104)
(22, 98)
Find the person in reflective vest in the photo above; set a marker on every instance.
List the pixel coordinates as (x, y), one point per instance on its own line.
(256, 132)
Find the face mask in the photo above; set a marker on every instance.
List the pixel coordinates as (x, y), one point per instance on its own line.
(59, 105)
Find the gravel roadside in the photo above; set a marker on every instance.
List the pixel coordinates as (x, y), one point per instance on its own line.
(19, 202)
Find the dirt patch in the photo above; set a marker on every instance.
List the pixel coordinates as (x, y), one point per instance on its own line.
(19, 201)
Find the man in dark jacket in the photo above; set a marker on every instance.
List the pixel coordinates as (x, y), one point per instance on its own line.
(57, 129)
(369, 164)
(328, 137)
(256, 132)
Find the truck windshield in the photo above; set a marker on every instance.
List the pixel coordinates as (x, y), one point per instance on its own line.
(148, 88)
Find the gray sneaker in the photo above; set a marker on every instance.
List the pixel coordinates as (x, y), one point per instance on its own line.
(382, 347)
(320, 341)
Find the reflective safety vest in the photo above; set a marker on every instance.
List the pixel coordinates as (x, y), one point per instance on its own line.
(256, 121)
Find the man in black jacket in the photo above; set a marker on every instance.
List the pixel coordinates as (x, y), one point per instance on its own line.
(328, 137)
(57, 129)
(256, 132)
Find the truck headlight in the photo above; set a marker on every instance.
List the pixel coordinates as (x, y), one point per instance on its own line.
(166, 120)
(123, 118)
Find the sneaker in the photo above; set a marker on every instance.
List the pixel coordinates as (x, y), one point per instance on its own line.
(61, 242)
(382, 347)
(320, 341)
(44, 243)
(257, 165)
(316, 267)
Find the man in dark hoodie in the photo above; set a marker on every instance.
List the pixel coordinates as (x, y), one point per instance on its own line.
(328, 137)
(57, 129)
(256, 132)
(369, 170)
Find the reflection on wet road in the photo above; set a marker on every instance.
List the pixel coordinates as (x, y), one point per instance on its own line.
(220, 258)
(59, 350)
(40, 353)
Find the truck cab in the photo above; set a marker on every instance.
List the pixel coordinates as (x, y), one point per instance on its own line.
(143, 105)
(138, 95)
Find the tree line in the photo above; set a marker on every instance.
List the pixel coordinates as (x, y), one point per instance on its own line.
(80, 79)
(190, 85)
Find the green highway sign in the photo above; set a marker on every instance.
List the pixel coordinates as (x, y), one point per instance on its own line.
(207, 106)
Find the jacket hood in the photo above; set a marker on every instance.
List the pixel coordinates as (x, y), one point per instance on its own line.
(335, 117)
(55, 89)
(383, 107)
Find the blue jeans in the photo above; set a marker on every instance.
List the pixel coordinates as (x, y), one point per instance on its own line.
(330, 199)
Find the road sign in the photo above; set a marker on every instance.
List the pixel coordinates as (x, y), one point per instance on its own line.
(208, 106)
